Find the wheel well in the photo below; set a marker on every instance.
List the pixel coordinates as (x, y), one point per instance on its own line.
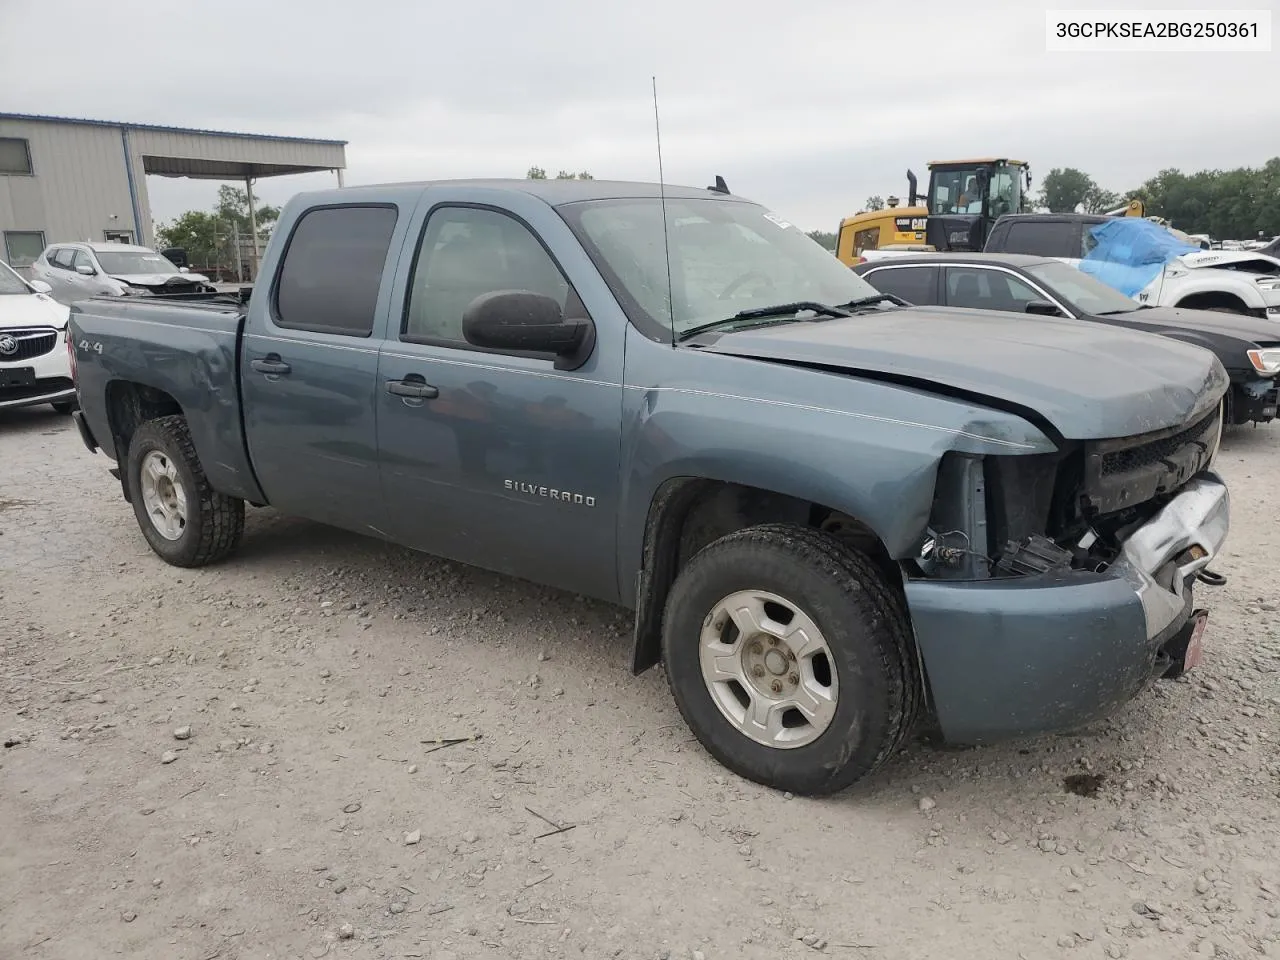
(688, 514)
(1215, 300)
(129, 405)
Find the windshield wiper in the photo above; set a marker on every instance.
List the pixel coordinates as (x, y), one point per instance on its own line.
(777, 313)
(872, 301)
(789, 309)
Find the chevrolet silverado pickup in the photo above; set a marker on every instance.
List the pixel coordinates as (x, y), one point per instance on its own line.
(836, 517)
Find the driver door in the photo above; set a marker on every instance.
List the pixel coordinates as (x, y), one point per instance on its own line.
(500, 460)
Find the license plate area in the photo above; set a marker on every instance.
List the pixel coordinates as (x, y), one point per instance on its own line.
(17, 376)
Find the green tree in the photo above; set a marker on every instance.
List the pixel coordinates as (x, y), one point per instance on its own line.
(825, 238)
(207, 242)
(875, 203)
(1099, 200)
(233, 207)
(539, 173)
(1065, 188)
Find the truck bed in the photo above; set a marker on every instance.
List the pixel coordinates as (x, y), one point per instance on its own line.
(141, 357)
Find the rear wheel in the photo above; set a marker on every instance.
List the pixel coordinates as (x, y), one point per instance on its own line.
(186, 522)
(789, 656)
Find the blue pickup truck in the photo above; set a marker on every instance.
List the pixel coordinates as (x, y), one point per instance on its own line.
(837, 518)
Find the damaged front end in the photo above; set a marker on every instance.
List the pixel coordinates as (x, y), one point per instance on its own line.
(1050, 588)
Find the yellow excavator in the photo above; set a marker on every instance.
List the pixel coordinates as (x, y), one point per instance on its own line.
(964, 198)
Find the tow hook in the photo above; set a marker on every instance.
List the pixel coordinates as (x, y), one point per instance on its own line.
(1209, 578)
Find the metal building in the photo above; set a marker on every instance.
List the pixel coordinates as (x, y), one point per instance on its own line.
(64, 179)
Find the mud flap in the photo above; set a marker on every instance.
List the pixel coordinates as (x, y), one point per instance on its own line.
(1186, 649)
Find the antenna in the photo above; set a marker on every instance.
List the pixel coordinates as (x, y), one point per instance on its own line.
(662, 194)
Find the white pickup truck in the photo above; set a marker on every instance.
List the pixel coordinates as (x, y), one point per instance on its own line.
(1232, 281)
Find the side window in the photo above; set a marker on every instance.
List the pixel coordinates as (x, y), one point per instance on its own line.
(62, 257)
(987, 290)
(1087, 240)
(332, 269)
(867, 239)
(1040, 238)
(918, 285)
(466, 252)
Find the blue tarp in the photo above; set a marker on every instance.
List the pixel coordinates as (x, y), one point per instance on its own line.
(1131, 252)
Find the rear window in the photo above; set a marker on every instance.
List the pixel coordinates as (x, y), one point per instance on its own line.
(332, 269)
(1041, 238)
(918, 285)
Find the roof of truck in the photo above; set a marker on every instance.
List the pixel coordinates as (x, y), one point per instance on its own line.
(554, 192)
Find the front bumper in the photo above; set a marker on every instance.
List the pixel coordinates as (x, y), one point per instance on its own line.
(1254, 401)
(50, 379)
(1018, 657)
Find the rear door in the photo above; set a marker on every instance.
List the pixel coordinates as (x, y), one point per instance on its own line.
(917, 283)
(310, 364)
(62, 277)
(505, 462)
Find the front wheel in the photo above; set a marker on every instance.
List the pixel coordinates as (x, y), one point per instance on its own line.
(790, 657)
(186, 522)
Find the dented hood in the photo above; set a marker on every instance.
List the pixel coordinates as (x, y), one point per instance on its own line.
(1089, 381)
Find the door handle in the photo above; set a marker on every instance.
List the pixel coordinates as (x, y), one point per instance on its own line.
(271, 363)
(412, 387)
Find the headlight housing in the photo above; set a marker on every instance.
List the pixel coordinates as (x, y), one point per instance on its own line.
(1266, 360)
(1217, 435)
(1268, 283)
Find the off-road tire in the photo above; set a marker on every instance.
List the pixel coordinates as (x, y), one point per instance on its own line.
(215, 522)
(864, 621)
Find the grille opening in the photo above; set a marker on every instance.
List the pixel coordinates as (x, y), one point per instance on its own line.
(1146, 454)
(30, 342)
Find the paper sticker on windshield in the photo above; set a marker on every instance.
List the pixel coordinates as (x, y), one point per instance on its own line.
(774, 218)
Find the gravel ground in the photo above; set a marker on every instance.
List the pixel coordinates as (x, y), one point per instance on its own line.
(241, 762)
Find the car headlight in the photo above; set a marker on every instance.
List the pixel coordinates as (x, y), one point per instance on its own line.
(1266, 362)
(1268, 283)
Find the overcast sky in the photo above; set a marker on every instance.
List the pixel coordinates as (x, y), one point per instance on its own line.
(807, 107)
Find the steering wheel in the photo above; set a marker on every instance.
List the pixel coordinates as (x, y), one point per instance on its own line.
(742, 278)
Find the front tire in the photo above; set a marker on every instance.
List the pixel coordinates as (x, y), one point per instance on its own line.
(186, 522)
(790, 657)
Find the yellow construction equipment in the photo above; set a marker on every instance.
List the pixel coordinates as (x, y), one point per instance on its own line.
(963, 200)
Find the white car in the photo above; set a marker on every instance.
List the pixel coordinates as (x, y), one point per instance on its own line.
(77, 271)
(35, 366)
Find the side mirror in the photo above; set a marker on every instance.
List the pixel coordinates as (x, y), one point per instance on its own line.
(1043, 308)
(85, 270)
(526, 322)
(39, 286)
(184, 269)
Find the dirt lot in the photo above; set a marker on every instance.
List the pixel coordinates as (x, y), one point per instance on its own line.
(240, 763)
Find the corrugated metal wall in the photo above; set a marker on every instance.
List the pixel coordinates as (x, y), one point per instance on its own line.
(79, 188)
